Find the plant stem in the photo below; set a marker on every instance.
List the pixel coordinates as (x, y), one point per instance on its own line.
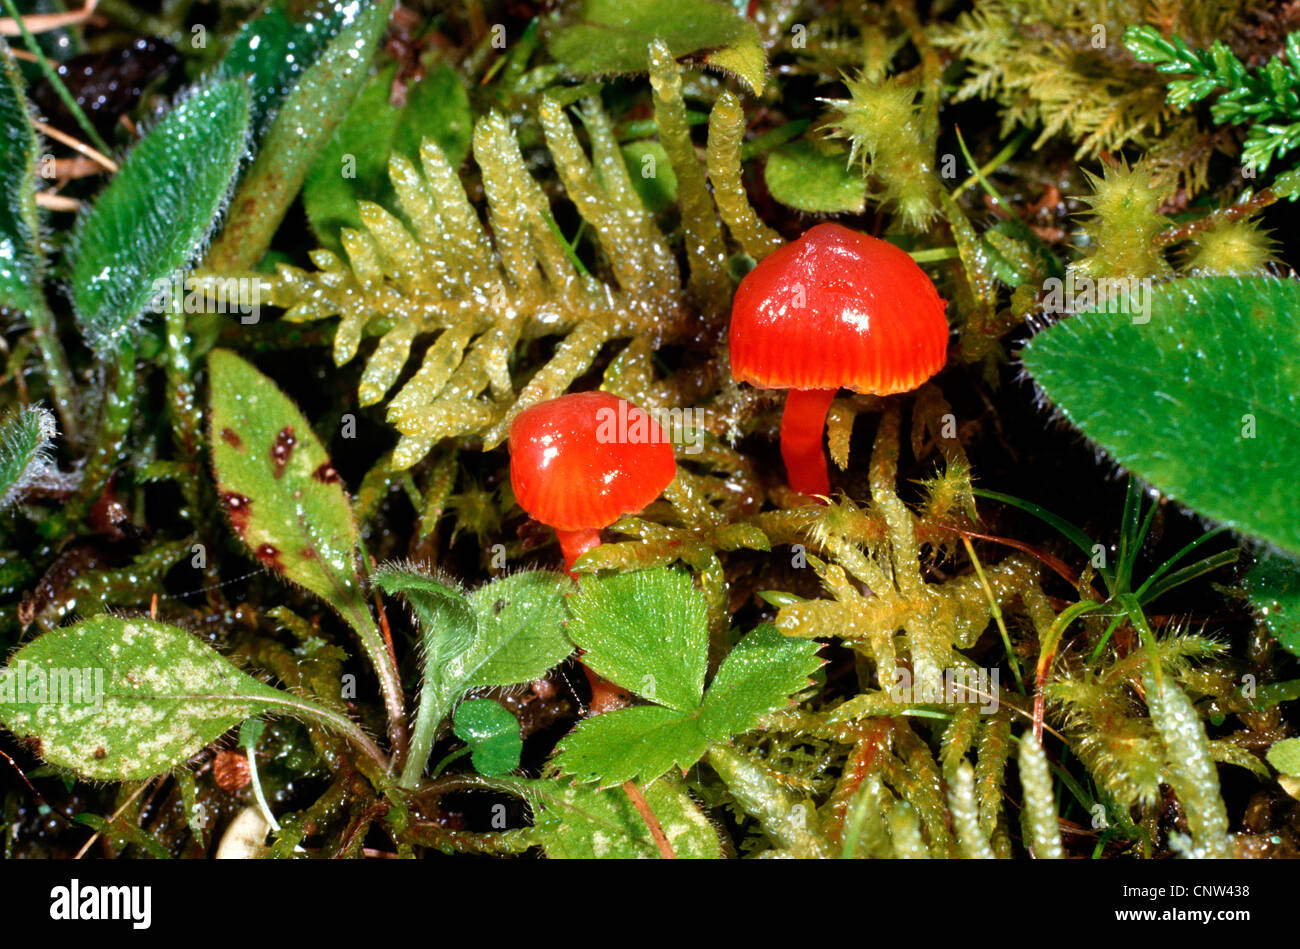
(114, 423)
(651, 821)
(57, 371)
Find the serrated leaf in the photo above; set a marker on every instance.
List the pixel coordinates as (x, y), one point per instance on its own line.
(610, 37)
(637, 744)
(758, 676)
(307, 118)
(21, 260)
(158, 212)
(646, 631)
(1202, 401)
(273, 49)
(816, 180)
(1273, 586)
(353, 165)
(491, 732)
(279, 490)
(25, 435)
(136, 697)
(580, 823)
(1285, 756)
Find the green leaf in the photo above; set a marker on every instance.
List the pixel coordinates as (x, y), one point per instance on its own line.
(21, 260)
(25, 435)
(1285, 756)
(282, 495)
(609, 37)
(274, 49)
(806, 177)
(1202, 401)
(1273, 586)
(125, 699)
(758, 676)
(492, 733)
(579, 823)
(646, 631)
(158, 212)
(506, 632)
(353, 165)
(637, 744)
(308, 117)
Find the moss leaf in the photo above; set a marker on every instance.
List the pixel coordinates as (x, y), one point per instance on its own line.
(159, 210)
(1199, 395)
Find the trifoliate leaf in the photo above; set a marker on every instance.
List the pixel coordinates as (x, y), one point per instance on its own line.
(758, 676)
(25, 435)
(579, 823)
(1195, 389)
(636, 744)
(608, 37)
(491, 732)
(1273, 586)
(21, 260)
(157, 213)
(646, 631)
(118, 699)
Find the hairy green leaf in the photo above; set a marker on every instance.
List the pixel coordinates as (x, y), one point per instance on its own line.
(1273, 586)
(647, 631)
(758, 676)
(818, 180)
(21, 260)
(158, 212)
(491, 732)
(579, 823)
(308, 117)
(608, 37)
(122, 699)
(1202, 401)
(353, 165)
(273, 49)
(25, 435)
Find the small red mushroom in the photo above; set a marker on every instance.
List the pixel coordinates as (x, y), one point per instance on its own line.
(833, 309)
(580, 462)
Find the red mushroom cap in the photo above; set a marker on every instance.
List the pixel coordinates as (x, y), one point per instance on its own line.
(836, 308)
(586, 459)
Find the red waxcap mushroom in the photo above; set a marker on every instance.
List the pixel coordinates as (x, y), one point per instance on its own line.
(582, 461)
(833, 309)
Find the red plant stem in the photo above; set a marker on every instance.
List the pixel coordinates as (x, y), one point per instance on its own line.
(573, 544)
(651, 821)
(801, 439)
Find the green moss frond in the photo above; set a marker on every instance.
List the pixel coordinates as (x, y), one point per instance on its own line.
(1124, 221)
(1230, 248)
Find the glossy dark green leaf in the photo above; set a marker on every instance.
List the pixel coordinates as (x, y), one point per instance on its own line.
(21, 260)
(158, 212)
(492, 734)
(353, 165)
(1196, 391)
(121, 699)
(609, 37)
